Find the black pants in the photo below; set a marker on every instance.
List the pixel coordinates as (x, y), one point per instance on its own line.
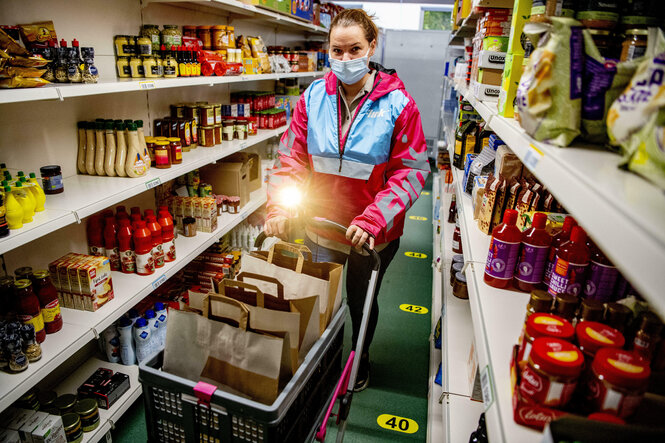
(358, 271)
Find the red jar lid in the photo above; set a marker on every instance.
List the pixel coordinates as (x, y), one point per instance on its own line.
(548, 325)
(621, 368)
(557, 357)
(607, 418)
(592, 336)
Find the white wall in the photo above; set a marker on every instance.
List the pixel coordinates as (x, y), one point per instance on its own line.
(395, 15)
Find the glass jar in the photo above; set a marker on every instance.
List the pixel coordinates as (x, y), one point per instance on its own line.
(176, 150)
(219, 37)
(23, 272)
(65, 403)
(459, 286)
(189, 31)
(171, 36)
(599, 14)
(252, 126)
(634, 45)
(47, 402)
(241, 129)
(565, 306)
(551, 374)
(143, 46)
(136, 67)
(617, 381)
(152, 32)
(150, 67)
(217, 112)
(203, 33)
(52, 179)
(72, 424)
(124, 45)
(88, 413)
(592, 336)
(207, 136)
(48, 301)
(206, 115)
(603, 40)
(234, 205)
(122, 64)
(6, 297)
(189, 226)
(543, 325)
(228, 129)
(454, 269)
(150, 144)
(162, 154)
(217, 134)
(639, 14)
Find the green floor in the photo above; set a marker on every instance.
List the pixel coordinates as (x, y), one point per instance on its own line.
(399, 353)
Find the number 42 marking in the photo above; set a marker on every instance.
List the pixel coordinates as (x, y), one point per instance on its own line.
(399, 424)
(413, 309)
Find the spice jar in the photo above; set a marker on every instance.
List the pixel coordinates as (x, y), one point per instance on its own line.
(48, 300)
(552, 371)
(175, 149)
(122, 64)
(65, 403)
(592, 336)
(459, 287)
(599, 14)
(88, 413)
(217, 112)
(52, 179)
(124, 47)
(241, 129)
(634, 45)
(228, 129)
(217, 132)
(219, 38)
(162, 155)
(206, 115)
(455, 268)
(28, 309)
(204, 34)
(543, 325)
(189, 226)
(207, 136)
(617, 381)
(72, 424)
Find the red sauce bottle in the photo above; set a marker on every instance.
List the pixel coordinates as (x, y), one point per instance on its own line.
(557, 240)
(156, 234)
(125, 247)
(168, 239)
(120, 213)
(602, 277)
(148, 212)
(135, 218)
(536, 242)
(28, 309)
(145, 265)
(504, 251)
(136, 210)
(457, 240)
(572, 261)
(95, 235)
(111, 243)
(48, 301)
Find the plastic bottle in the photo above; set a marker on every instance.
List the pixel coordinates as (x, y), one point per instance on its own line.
(156, 233)
(127, 256)
(144, 147)
(33, 194)
(111, 249)
(602, 277)
(111, 344)
(503, 252)
(168, 238)
(100, 147)
(109, 156)
(162, 316)
(120, 148)
(142, 339)
(13, 210)
(120, 213)
(142, 237)
(135, 219)
(80, 160)
(572, 261)
(557, 240)
(95, 233)
(90, 148)
(27, 202)
(39, 192)
(135, 165)
(535, 246)
(153, 322)
(4, 228)
(127, 352)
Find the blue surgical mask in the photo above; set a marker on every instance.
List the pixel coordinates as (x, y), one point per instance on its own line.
(350, 72)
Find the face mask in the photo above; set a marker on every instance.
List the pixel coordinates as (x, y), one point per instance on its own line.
(351, 71)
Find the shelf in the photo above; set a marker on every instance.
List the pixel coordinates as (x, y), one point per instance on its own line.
(246, 12)
(462, 416)
(82, 192)
(620, 210)
(63, 91)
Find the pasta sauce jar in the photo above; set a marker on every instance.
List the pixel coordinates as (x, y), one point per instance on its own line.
(543, 325)
(550, 377)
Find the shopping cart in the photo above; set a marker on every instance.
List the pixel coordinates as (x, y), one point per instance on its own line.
(182, 410)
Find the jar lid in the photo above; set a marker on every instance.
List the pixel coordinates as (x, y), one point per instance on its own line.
(41, 273)
(599, 32)
(206, 106)
(65, 401)
(622, 368)
(189, 220)
(170, 26)
(217, 126)
(219, 27)
(458, 258)
(228, 121)
(548, 325)
(460, 277)
(204, 27)
(457, 267)
(592, 336)
(173, 139)
(150, 26)
(189, 27)
(637, 31)
(207, 127)
(540, 301)
(557, 357)
(71, 421)
(46, 398)
(607, 418)
(50, 169)
(163, 142)
(86, 406)
(23, 283)
(6, 281)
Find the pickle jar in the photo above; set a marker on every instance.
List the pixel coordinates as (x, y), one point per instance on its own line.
(152, 32)
(171, 36)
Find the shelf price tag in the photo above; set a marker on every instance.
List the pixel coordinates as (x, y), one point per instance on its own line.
(396, 423)
(415, 254)
(153, 183)
(532, 157)
(149, 84)
(417, 217)
(243, 145)
(414, 309)
(486, 386)
(425, 193)
(157, 283)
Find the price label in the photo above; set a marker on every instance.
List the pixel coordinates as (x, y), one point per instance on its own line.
(414, 309)
(299, 241)
(415, 254)
(153, 183)
(425, 193)
(243, 145)
(398, 424)
(533, 157)
(157, 283)
(486, 386)
(417, 217)
(150, 84)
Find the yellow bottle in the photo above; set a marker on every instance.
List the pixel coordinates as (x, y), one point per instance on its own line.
(26, 201)
(38, 192)
(14, 211)
(31, 201)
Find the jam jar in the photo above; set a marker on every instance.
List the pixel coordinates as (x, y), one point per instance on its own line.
(52, 179)
(543, 325)
(592, 336)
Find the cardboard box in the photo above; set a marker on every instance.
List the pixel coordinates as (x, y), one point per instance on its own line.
(498, 44)
(510, 81)
(228, 178)
(254, 168)
(491, 60)
(25, 433)
(521, 15)
(20, 419)
(303, 9)
(9, 436)
(50, 431)
(490, 76)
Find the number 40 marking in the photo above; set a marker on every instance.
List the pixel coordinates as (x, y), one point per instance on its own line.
(399, 424)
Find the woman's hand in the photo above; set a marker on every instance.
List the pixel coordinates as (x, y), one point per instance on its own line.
(276, 226)
(359, 237)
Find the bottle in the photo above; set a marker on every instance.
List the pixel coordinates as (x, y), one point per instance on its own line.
(127, 352)
(100, 147)
(572, 261)
(135, 218)
(535, 246)
(156, 233)
(95, 233)
(13, 210)
(4, 227)
(135, 210)
(618, 316)
(34, 195)
(183, 68)
(120, 213)
(162, 316)
(648, 336)
(153, 322)
(28, 308)
(26, 201)
(127, 256)
(48, 301)
(121, 148)
(111, 344)
(111, 249)
(144, 147)
(452, 212)
(168, 238)
(457, 240)
(145, 264)
(134, 166)
(109, 156)
(40, 196)
(565, 306)
(504, 251)
(142, 339)
(133, 315)
(80, 161)
(602, 276)
(90, 148)
(557, 240)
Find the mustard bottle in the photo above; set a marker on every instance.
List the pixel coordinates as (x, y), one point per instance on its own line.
(26, 201)
(39, 192)
(31, 194)
(14, 210)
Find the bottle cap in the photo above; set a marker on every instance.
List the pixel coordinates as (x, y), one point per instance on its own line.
(135, 210)
(539, 220)
(133, 314)
(578, 235)
(150, 314)
(109, 125)
(75, 43)
(138, 123)
(141, 322)
(148, 212)
(159, 306)
(19, 184)
(510, 217)
(20, 173)
(32, 175)
(568, 224)
(124, 322)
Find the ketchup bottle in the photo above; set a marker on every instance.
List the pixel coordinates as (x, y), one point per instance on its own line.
(602, 278)
(145, 265)
(168, 240)
(95, 230)
(504, 251)
(536, 243)
(572, 261)
(127, 257)
(156, 233)
(135, 218)
(120, 213)
(557, 240)
(148, 212)
(111, 243)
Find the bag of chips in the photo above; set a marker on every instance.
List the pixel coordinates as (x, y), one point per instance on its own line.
(38, 35)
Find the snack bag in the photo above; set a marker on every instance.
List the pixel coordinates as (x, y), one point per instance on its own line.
(549, 96)
(38, 35)
(260, 51)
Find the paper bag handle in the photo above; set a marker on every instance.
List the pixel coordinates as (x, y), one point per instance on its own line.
(250, 275)
(207, 310)
(298, 250)
(228, 283)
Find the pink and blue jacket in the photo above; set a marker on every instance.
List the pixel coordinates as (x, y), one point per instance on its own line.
(369, 176)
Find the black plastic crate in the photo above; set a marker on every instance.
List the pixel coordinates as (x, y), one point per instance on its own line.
(173, 413)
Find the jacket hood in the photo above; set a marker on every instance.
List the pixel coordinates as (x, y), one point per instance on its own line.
(385, 82)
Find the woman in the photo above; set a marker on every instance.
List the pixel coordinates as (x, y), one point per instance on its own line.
(356, 149)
